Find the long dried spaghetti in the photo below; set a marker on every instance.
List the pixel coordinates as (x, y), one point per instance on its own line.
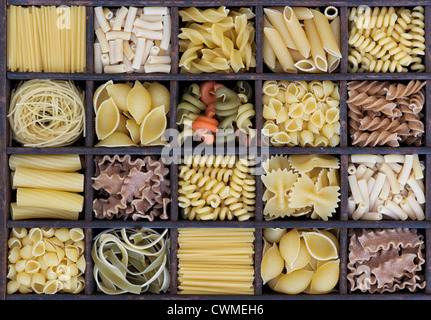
(47, 113)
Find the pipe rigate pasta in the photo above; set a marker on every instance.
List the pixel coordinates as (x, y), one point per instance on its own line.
(46, 261)
(301, 272)
(296, 112)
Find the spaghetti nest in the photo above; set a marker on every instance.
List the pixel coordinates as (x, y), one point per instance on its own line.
(47, 113)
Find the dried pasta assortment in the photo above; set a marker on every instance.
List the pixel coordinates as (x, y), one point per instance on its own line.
(300, 185)
(131, 260)
(211, 112)
(386, 39)
(300, 113)
(386, 187)
(386, 113)
(132, 40)
(46, 261)
(131, 187)
(299, 39)
(131, 114)
(217, 40)
(47, 113)
(47, 186)
(386, 260)
(216, 261)
(300, 261)
(217, 187)
(46, 39)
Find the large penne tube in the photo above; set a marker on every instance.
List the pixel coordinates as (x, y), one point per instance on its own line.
(317, 52)
(35, 178)
(23, 213)
(54, 199)
(281, 51)
(333, 60)
(276, 19)
(149, 34)
(394, 158)
(296, 32)
(303, 13)
(325, 33)
(306, 65)
(405, 205)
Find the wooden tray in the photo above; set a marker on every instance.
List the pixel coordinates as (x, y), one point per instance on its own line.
(89, 82)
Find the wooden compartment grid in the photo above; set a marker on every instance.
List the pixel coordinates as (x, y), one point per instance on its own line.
(90, 80)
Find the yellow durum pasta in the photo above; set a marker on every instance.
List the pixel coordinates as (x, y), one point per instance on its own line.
(46, 39)
(47, 186)
(216, 261)
(33, 178)
(299, 39)
(54, 162)
(46, 198)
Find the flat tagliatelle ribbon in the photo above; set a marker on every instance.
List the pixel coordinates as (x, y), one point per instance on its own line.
(131, 261)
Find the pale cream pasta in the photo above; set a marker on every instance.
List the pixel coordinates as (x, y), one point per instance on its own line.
(386, 187)
(130, 36)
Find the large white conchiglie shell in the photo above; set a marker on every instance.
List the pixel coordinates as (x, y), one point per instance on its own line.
(272, 264)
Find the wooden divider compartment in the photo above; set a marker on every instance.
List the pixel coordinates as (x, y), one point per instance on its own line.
(85, 147)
